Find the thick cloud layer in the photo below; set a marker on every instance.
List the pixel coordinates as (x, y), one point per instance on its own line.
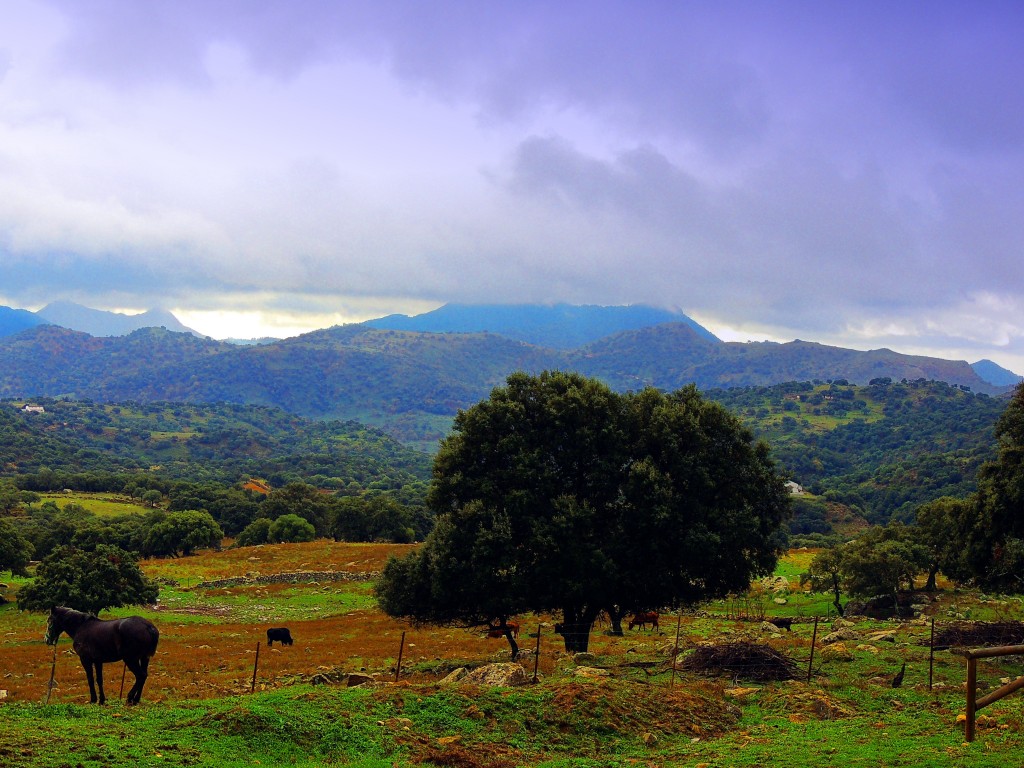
(847, 173)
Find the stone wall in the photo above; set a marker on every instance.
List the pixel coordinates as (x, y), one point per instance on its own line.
(298, 577)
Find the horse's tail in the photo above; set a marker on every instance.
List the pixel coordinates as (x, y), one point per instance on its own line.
(154, 637)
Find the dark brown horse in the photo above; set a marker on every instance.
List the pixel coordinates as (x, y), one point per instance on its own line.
(98, 641)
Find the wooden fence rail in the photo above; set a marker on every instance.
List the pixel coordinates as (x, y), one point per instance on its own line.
(973, 702)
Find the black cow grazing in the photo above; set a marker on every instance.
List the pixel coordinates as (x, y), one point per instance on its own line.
(281, 634)
(100, 641)
(786, 624)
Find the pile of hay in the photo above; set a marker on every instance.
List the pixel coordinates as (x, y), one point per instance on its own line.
(747, 661)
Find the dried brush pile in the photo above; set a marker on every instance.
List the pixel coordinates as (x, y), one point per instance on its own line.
(747, 661)
(980, 634)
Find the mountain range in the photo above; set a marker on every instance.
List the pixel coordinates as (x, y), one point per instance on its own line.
(412, 382)
(95, 322)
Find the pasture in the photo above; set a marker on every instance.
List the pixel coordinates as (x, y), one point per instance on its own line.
(100, 504)
(199, 709)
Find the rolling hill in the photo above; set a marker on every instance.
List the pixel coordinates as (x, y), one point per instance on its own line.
(412, 383)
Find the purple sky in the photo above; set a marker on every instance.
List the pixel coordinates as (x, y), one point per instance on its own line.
(849, 173)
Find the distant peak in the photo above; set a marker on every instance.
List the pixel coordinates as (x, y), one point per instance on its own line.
(559, 326)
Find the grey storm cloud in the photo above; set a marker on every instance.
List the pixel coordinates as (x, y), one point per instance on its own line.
(846, 173)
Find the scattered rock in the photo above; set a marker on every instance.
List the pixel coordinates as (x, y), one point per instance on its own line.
(868, 648)
(841, 624)
(591, 672)
(506, 674)
(882, 637)
(648, 738)
(356, 678)
(454, 676)
(836, 652)
(841, 635)
(767, 626)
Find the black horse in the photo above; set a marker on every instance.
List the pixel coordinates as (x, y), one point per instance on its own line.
(98, 641)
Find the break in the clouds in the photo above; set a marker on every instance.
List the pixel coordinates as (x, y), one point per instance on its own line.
(846, 173)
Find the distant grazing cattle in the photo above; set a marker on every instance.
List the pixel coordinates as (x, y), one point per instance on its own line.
(786, 624)
(281, 634)
(498, 631)
(643, 619)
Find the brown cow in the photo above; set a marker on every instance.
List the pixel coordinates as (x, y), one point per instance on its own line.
(642, 619)
(499, 631)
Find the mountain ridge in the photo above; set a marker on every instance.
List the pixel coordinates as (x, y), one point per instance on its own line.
(98, 322)
(412, 383)
(560, 326)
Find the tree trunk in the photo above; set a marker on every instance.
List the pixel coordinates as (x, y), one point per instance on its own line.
(512, 643)
(615, 615)
(576, 628)
(930, 585)
(836, 603)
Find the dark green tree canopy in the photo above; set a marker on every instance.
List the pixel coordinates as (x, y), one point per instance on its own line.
(183, 533)
(89, 580)
(557, 494)
(995, 544)
(15, 549)
(290, 528)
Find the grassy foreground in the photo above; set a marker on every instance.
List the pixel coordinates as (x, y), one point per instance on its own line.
(197, 709)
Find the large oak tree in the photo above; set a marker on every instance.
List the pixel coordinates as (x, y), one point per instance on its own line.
(557, 494)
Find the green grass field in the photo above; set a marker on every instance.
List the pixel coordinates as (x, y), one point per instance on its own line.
(197, 709)
(101, 504)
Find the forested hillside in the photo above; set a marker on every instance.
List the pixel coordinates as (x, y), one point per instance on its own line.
(882, 449)
(221, 443)
(411, 383)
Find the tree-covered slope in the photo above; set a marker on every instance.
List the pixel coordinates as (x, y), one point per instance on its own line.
(224, 443)
(882, 449)
(412, 383)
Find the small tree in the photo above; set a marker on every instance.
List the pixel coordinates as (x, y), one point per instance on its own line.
(89, 580)
(152, 498)
(302, 500)
(290, 528)
(15, 549)
(256, 532)
(825, 574)
(883, 560)
(942, 528)
(183, 532)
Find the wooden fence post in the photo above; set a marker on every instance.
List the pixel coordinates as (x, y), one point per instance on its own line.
(973, 702)
(255, 666)
(536, 655)
(972, 696)
(931, 655)
(401, 649)
(675, 650)
(53, 671)
(814, 639)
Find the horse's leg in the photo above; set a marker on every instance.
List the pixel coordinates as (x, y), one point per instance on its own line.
(87, 666)
(99, 681)
(139, 668)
